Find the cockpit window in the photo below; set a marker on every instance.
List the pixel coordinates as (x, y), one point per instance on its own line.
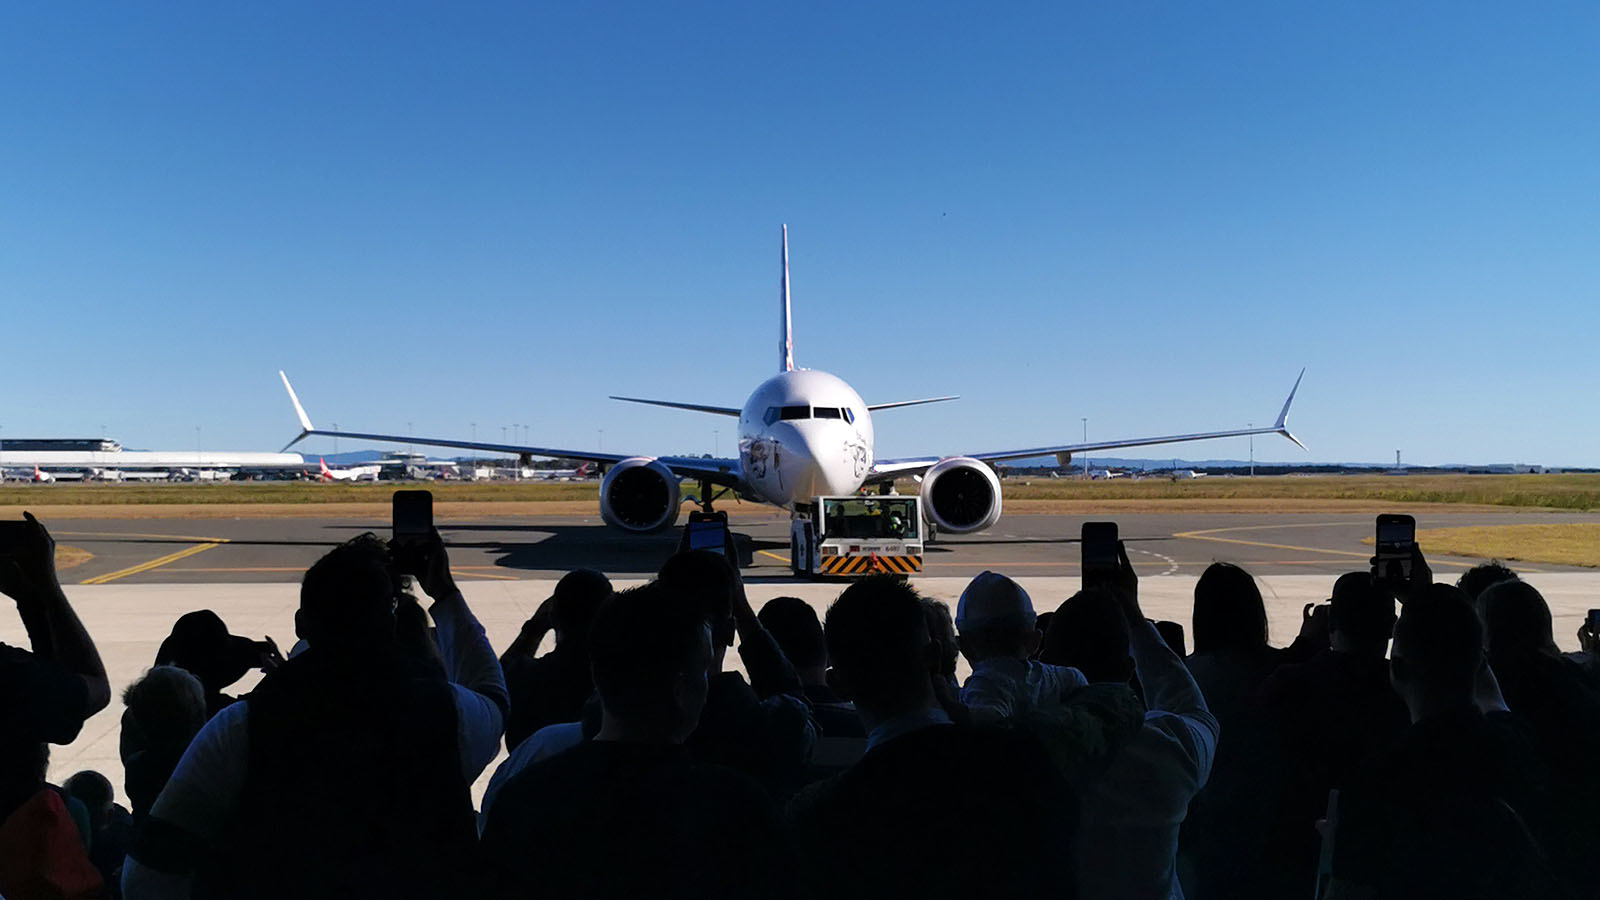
(826, 412)
(771, 415)
(794, 412)
(849, 415)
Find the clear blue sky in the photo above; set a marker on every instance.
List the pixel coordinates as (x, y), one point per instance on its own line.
(1149, 214)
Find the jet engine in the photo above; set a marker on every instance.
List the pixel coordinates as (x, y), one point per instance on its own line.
(961, 495)
(639, 495)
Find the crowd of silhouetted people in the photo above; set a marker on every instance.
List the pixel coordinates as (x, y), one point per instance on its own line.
(1416, 739)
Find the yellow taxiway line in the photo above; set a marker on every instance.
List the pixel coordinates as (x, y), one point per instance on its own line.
(156, 563)
(1209, 534)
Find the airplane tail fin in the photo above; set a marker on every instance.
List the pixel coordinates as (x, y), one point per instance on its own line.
(323, 470)
(786, 335)
(1282, 425)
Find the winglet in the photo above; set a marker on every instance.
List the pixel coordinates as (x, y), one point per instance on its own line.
(305, 421)
(786, 338)
(1282, 425)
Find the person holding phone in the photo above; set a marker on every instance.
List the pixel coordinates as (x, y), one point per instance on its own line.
(1131, 808)
(346, 772)
(46, 693)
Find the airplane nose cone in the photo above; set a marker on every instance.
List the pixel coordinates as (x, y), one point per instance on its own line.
(835, 461)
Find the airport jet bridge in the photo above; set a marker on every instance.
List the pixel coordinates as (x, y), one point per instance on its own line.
(857, 535)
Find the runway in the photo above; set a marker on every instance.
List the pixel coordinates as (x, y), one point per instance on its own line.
(169, 551)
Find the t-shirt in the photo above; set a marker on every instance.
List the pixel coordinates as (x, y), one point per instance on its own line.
(1446, 813)
(628, 820)
(940, 811)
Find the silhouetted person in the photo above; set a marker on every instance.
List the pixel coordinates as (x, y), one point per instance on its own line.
(1329, 715)
(345, 772)
(201, 645)
(1480, 578)
(554, 687)
(629, 814)
(1445, 812)
(1228, 825)
(110, 826)
(46, 693)
(933, 809)
(1550, 693)
(794, 625)
(166, 707)
(1134, 803)
(764, 727)
(997, 631)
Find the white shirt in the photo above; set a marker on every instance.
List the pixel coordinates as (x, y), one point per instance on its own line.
(1129, 815)
(1004, 687)
(206, 785)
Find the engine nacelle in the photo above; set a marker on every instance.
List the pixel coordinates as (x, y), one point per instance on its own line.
(961, 495)
(639, 495)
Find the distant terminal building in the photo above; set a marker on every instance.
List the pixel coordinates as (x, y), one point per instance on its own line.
(80, 445)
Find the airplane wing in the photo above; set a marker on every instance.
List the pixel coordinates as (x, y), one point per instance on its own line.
(889, 469)
(717, 471)
(874, 407)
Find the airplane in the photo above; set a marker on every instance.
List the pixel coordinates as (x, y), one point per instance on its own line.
(803, 433)
(577, 474)
(348, 473)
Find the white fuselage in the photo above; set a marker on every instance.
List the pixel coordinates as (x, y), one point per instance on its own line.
(804, 434)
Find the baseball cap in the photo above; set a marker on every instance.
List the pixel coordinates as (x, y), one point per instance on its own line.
(992, 599)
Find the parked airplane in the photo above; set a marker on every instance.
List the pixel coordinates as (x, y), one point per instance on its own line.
(347, 473)
(802, 434)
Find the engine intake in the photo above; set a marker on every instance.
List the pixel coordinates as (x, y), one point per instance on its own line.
(639, 495)
(961, 495)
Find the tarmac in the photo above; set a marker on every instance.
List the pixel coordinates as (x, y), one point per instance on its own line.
(143, 574)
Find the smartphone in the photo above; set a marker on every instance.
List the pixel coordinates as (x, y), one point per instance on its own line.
(706, 531)
(1396, 540)
(413, 516)
(1099, 545)
(1594, 621)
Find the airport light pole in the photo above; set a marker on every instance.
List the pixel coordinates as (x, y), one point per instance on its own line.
(1252, 449)
(336, 440)
(1085, 440)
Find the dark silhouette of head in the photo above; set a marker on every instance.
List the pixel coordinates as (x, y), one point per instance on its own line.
(168, 704)
(1477, 579)
(707, 580)
(883, 658)
(794, 625)
(1438, 647)
(1516, 620)
(1229, 615)
(201, 645)
(650, 654)
(94, 791)
(1362, 616)
(1089, 633)
(348, 597)
(577, 598)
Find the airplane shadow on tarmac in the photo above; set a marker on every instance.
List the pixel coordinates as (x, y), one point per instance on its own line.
(562, 548)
